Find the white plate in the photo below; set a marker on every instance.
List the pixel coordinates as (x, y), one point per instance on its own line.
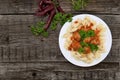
(67, 53)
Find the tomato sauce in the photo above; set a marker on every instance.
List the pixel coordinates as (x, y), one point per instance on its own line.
(76, 39)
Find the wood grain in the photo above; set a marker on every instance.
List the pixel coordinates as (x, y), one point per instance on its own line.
(24, 56)
(57, 71)
(29, 6)
(20, 45)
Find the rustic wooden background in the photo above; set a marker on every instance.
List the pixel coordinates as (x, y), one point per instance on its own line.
(24, 56)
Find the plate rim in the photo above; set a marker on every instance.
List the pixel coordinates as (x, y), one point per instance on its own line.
(110, 35)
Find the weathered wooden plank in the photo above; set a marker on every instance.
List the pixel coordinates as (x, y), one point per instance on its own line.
(20, 23)
(28, 54)
(95, 6)
(4, 36)
(117, 76)
(1, 54)
(39, 51)
(56, 66)
(12, 53)
(24, 56)
(6, 55)
(29, 6)
(18, 43)
(58, 71)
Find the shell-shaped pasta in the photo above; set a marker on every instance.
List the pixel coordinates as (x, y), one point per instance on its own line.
(67, 35)
(94, 27)
(74, 29)
(76, 55)
(86, 21)
(87, 58)
(97, 55)
(66, 45)
(76, 23)
(90, 56)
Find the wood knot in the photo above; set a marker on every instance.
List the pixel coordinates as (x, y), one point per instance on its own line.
(34, 74)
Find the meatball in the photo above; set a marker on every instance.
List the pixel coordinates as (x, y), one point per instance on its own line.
(88, 39)
(75, 45)
(75, 36)
(95, 41)
(87, 50)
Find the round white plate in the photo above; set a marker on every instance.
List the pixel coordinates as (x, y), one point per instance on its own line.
(67, 53)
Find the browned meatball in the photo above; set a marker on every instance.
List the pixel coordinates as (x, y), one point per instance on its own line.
(75, 36)
(75, 45)
(88, 39)
(87, 50)
(95, 41)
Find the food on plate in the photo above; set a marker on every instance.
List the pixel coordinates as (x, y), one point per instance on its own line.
(85, 39)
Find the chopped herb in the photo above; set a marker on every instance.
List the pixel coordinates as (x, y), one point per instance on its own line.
(93, 47)
(60, 18)
(83, 44)
(79, 4)
(44, 34)
(85, 34)
(90, 33)
(54, 25)
(80, 50)
(82, 34)
(38, 29)
(40, 24)
(56, 15)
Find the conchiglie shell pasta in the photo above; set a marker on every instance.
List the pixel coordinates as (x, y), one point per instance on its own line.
(87, 58)
(75, 24)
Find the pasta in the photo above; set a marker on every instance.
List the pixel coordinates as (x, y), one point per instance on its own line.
(95, 39)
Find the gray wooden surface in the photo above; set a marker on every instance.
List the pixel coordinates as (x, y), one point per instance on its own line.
(24, 56)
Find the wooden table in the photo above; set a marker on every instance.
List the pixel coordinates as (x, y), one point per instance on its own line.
(24, 56)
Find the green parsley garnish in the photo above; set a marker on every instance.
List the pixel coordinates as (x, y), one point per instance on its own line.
(83, 44)
(79, 4)
(80, 50)
(82, 34)
(90, 33)
(85, 34)
(56, 16)
(38, 29)
(93, 47)
(60, 18)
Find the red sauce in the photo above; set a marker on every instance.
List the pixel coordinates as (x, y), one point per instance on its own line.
(76, 38)
(87, 49)
(75, 45)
